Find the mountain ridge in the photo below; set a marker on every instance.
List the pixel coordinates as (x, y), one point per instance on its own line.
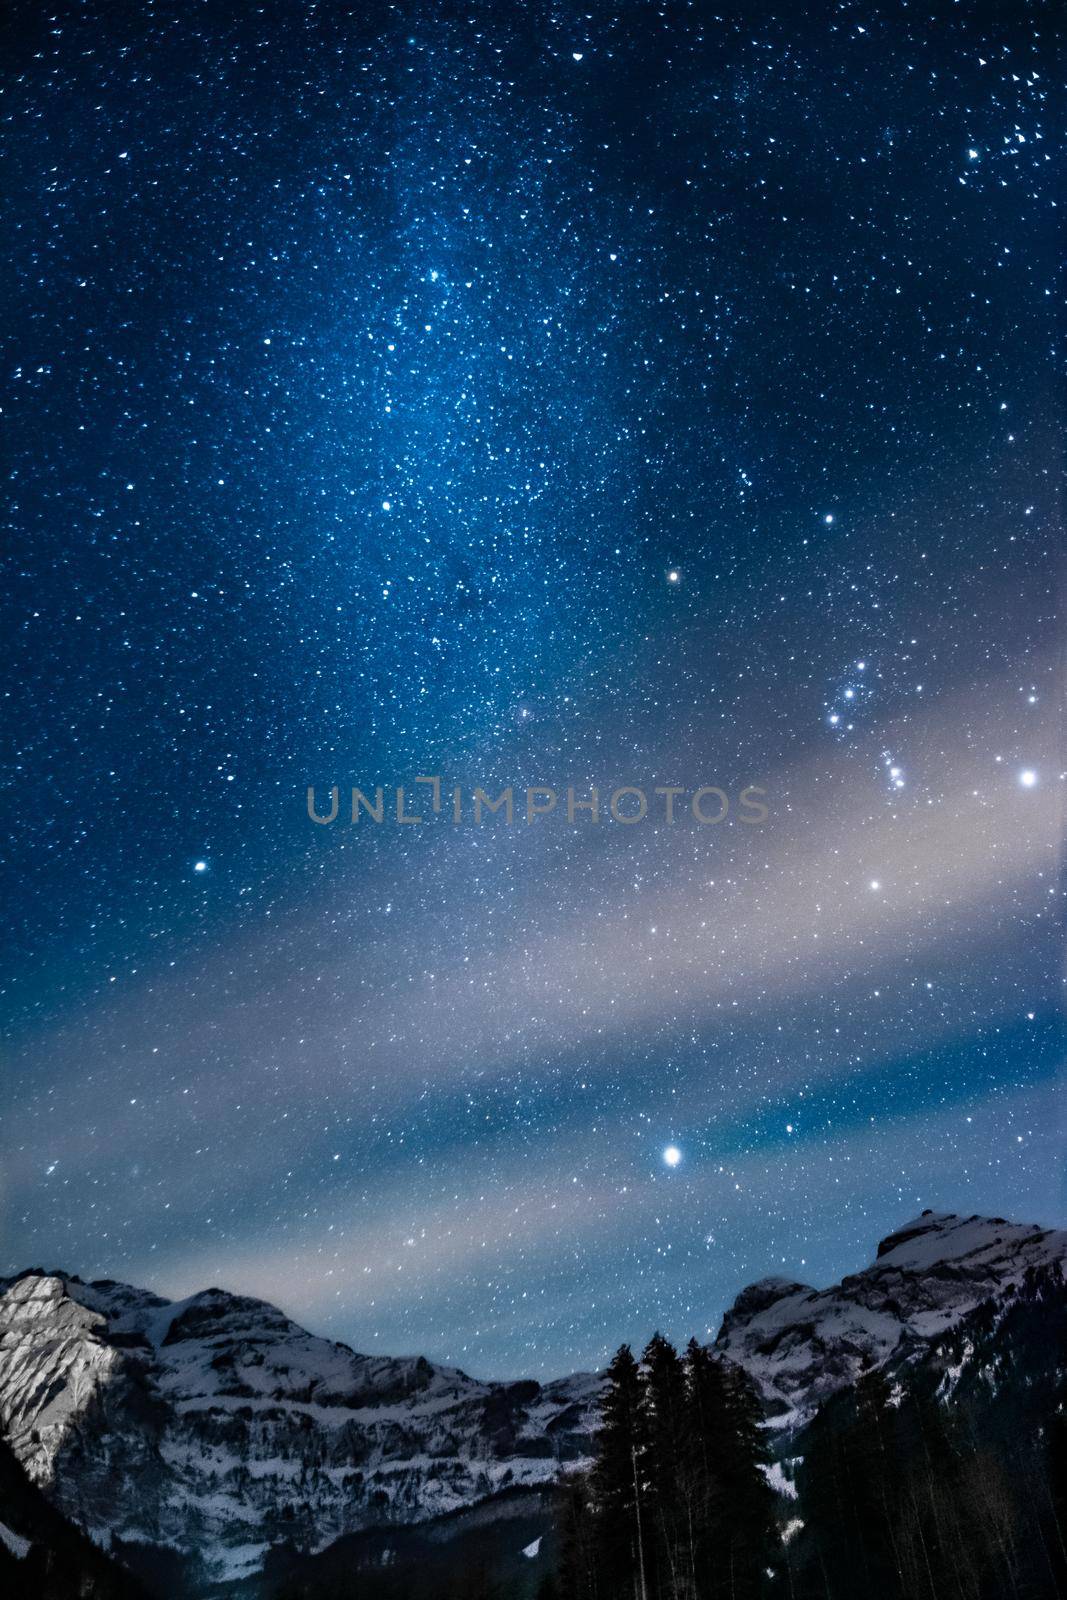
(801, 1344)
(216, 1425)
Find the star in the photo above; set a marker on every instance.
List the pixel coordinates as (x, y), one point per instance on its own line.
(672, 1155)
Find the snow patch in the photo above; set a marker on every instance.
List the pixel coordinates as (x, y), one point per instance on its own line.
(19, 1547)
(779, 1482)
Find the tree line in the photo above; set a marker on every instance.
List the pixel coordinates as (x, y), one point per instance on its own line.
(677, 1505)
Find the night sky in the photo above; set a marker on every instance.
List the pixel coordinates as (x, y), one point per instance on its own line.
(526, 395)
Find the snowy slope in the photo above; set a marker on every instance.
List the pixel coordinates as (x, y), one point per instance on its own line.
(216, 1424)
(800, 1343)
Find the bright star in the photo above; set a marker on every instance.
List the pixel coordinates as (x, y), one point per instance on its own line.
(672, 1155)
(674, 576)
(1028, 778)
(199, 866)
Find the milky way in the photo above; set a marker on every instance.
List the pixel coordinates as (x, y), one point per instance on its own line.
(526, 396)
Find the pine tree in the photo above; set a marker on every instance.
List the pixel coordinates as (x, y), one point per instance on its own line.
(669, 1546)
(736, 1542)
(619, 1482)
(578, 1540)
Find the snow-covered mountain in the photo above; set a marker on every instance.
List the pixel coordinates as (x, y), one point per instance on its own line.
(218, 1427)
(801, 1344)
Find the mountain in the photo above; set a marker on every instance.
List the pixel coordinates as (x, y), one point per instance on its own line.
(801, 1345)
(217, 1427)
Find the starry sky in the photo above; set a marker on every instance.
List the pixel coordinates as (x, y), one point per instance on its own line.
(640, 396)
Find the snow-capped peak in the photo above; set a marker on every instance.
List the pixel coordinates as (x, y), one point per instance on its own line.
(800, 1344)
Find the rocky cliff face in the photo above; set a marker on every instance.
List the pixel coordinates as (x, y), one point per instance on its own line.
(217, 1425)
(801, 1344)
